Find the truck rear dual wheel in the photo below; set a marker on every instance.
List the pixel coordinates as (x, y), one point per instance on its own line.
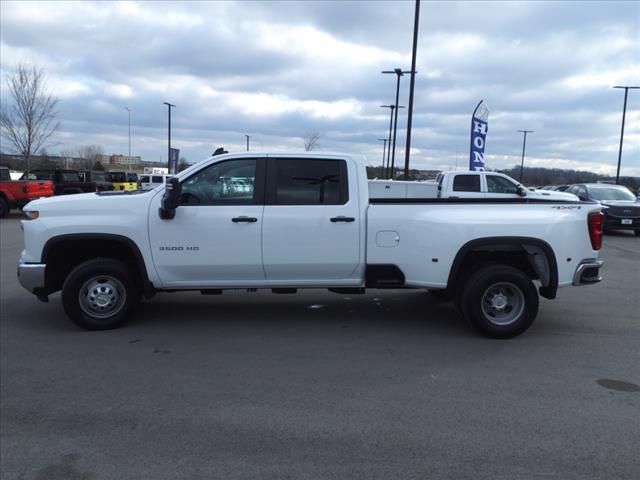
(499, 301)
(101, 294)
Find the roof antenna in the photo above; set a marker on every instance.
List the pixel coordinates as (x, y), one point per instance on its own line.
(219, 151)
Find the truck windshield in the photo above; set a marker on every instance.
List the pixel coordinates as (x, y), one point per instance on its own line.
(611, 193)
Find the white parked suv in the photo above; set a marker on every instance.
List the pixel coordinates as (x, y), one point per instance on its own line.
(305, 221)
(149, 181)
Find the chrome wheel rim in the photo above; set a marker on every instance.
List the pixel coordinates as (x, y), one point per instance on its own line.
(502, 303)
(102, 296)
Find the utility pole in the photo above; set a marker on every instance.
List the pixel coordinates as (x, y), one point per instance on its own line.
(624, 111)
(399, 73)
(129, 110)
(169, 107)
(384, 149)
(524, 144)
(248, 137)
(416, 19)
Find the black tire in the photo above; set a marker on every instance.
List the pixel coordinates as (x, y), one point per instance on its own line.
(4, 207)
(101, 294)
(499, 301)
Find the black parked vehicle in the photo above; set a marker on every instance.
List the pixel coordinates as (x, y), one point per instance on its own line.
(621, 208)
(99, 178)
(65, 181)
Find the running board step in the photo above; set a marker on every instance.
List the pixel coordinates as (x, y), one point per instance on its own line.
(211, 291)
(348, 291)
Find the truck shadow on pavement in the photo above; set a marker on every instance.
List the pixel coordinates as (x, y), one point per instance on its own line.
(408, 310)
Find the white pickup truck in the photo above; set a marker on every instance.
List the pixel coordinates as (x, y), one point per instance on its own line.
(467, 184)
(291, 221)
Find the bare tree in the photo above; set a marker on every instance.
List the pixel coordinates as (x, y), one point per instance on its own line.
(311, 141)
(28, 123)
(91, 153)
(183, 164)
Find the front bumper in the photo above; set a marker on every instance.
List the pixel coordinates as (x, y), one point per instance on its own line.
(31, 276)
(588, 272)
(616, 223)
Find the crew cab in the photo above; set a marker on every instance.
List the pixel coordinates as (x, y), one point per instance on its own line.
(295, 221)
(16, 194)
(454, 184)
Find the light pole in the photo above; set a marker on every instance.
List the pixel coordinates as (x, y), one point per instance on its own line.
(384, 149)
(248, 137)
(624, 111)
(169, 106)
(399, 73)
(385, 172)
(407, 152)
(389, 164)
(524, 144)
(129, 110)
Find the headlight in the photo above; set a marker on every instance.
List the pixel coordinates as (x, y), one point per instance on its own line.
(30, 214)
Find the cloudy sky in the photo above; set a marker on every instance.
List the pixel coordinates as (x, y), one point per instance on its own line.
(279, 70)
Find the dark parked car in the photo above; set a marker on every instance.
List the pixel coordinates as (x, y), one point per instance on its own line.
(65, 181)
(621, 208)
(99, 178)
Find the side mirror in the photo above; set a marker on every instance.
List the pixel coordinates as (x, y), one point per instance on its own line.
(170, 199)
(521, 191)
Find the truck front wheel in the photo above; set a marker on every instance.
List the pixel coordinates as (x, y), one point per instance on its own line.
(499, 301)
(100, 294)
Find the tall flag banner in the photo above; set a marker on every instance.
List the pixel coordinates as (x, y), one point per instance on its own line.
(173, 160)
(479, 127)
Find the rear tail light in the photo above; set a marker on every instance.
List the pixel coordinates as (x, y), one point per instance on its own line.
(594, 222)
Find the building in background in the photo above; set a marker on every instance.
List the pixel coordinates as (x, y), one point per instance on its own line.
(117, 159)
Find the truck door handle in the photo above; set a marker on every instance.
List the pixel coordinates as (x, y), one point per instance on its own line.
(343, 219)
(244, 219)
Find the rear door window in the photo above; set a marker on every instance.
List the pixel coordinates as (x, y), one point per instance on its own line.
(295, 181)
(156, 179)
(466, 183)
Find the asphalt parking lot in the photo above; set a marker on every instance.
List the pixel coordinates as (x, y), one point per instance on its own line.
(388, 385)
